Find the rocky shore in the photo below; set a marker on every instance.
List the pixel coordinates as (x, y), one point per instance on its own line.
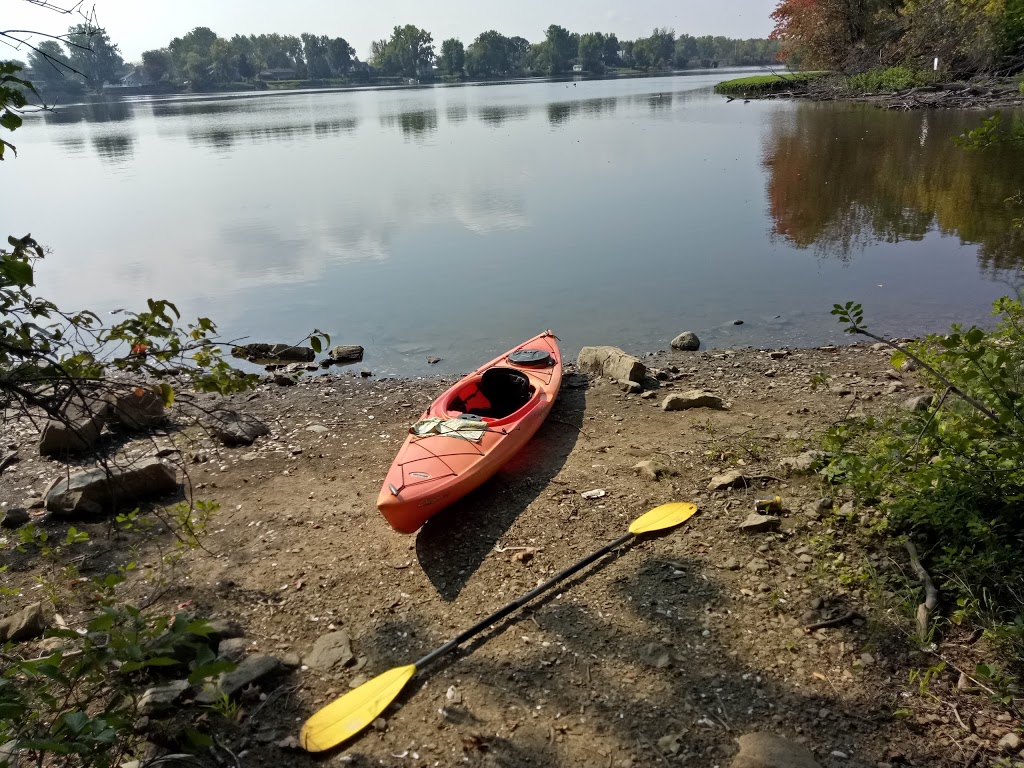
(742, 639)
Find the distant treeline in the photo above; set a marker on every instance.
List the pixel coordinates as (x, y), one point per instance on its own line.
(203, 60)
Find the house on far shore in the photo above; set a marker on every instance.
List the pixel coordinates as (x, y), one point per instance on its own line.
(133, 79)
(277, 73)
(577, 67)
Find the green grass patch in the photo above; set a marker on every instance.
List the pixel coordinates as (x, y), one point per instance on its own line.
(891, 79)
(762, 85)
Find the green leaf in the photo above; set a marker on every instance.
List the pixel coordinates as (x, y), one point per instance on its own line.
(314, 342)
(76, 721)
(17, 272)
(167, 392)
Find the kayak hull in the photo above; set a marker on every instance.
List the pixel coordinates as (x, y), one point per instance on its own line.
(509, 398)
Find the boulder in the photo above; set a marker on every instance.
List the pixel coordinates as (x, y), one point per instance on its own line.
(734, 478)
(756, 523)
(15, 517)
(234, 429)
(686, 341)
(76, 431)
(611, 362)
(630, 387)
(95, 491)
(233, 649)
(26, 624)
(268, 354)
(766, 750)
(918, 403)
(331, 652)
(223, 629)
(693, 398)
(251, 670)
(353, 353)
(137, 408)
(162, 698)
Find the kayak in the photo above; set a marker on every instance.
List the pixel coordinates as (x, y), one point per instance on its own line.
(470, 431)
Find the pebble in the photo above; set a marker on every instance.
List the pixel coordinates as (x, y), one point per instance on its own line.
(732, 564)
(596, 493)
(1011, 742)
(805, 558)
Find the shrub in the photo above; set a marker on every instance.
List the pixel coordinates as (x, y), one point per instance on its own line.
(891, 79)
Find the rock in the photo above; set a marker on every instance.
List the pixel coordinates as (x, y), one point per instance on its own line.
(250, 671)
(847, 510)
(26, 624)
(737, 322)
(234, 429)
(908, 365)
(1011, 742)
(686, 341)
(650, 470)
(15, 517)
(291, 660)
(331, 652)
(269, 354)
(380, 724)
(630, 387)
(840, 389)
(694, 398)
(611, 362)
(596, 493)
(802, 464)
(453, 695)
(137, 408)
(94, 491)
(223, 629)
(757, 565)
(283, 380)
(806, 559)
(734, 478)
(433, 360)
(766, 750)
(78, 430)
(162, 697)
(351, 353)
(233, 649)
(918, 403)
(756, 523)
(670, 743)
(732, 564)
(779, 354)
(649, 395)
(366, 373)
(655, 655)
(318, 429)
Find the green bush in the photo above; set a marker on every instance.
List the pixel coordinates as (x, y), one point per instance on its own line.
(761, 85)
(952, 476)
(891, 79)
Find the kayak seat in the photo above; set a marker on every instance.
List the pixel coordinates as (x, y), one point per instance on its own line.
(506, 391)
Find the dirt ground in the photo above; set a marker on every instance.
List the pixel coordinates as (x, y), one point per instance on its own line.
(660, 654)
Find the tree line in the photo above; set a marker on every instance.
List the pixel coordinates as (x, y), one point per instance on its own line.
(201, 59)
(967, 37)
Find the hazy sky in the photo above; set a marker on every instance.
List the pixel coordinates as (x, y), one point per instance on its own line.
(137, 26)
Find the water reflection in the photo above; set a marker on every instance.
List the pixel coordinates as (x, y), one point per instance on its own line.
(560, 112)
(225, 138)
(457, 113)
(100, 111)
(413, 124)
(840, 180)
(114, 147)
(497, 114)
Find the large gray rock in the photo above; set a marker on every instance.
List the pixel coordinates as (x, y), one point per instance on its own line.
(918, 403)
(269, 354)
(76, 431)
(686, 341)
(250, 671)
(15, 517)
(802, 464)
(331, 652)
(693, 398)
(611, 362)
(234, 429)
(346, 353)
(137, 408)
(162, 697)
(27, 623)
(756, 523)
(734, 478)
(94, 491)
(766, 750)
(233, 649)
(651, 470)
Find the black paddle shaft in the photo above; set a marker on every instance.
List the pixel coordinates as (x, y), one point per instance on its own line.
(515, 605)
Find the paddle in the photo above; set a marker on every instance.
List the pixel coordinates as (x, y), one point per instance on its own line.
(346, 716)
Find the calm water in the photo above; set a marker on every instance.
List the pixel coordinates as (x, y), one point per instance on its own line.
(457, 221)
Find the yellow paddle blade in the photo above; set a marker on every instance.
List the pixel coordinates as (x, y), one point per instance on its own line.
(665, 516)
(345, 717)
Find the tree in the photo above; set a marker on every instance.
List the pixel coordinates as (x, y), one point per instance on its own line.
(91, 53)
(452, 60)
(408, 52)
(558, 49)
(339, 55)
(488, 55)
(518, 54)
(244, 66)
(611, 51)
(156, 65)
(197, 42)
(591, 52)
(48, 61)
(222, 61)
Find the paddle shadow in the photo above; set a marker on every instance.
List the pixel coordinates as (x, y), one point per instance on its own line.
(453, 544)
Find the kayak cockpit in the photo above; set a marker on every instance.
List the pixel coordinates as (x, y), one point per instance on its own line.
(495, 395)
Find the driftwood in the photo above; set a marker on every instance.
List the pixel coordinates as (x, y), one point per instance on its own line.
(846, 618)
(931, 594)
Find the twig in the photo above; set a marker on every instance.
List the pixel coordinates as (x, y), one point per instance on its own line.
(931, 599)
(846, 618)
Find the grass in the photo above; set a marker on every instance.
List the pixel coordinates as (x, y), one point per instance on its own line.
(762, 85)
(891, 79)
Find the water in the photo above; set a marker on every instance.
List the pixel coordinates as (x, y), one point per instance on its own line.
(457, 221)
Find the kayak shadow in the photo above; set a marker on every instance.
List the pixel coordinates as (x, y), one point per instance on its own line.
(453, 544)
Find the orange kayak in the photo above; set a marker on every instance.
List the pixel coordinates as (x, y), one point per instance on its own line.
(470, 431)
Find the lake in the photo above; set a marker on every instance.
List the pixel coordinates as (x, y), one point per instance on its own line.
(456, 221)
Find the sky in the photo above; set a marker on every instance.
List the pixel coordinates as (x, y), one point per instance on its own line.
(138, 26)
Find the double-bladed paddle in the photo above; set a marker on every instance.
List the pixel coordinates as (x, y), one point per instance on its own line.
(346, 716)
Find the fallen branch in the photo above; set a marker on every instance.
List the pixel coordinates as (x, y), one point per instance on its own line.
(846, 618)
(931, 594)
